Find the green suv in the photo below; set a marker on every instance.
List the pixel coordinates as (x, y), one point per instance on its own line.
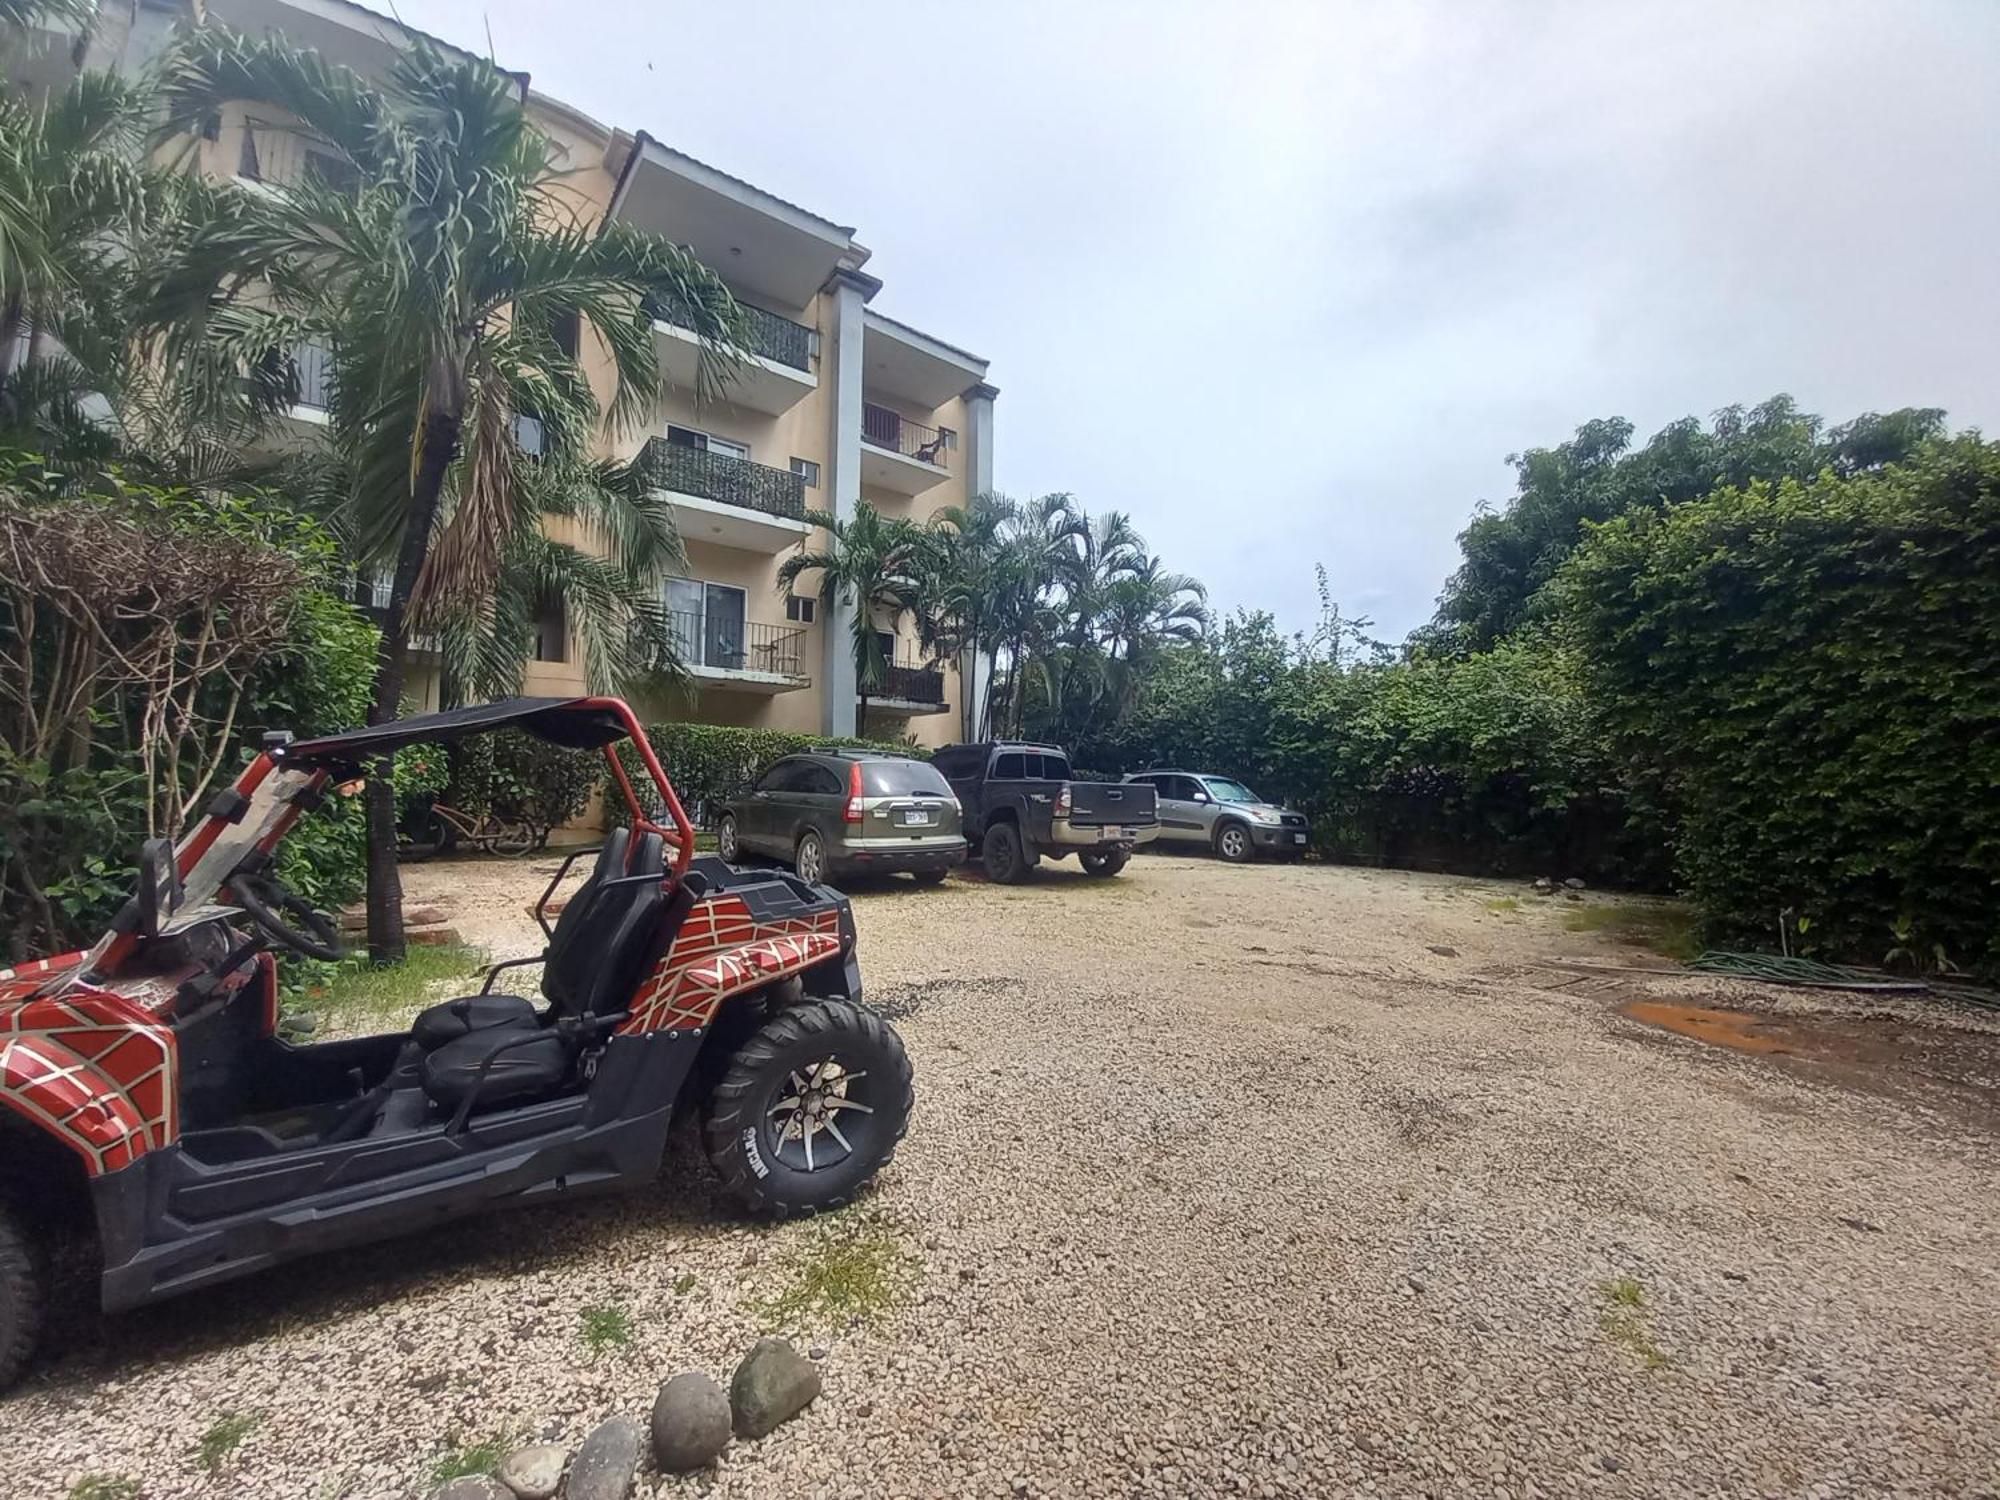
(832, 812)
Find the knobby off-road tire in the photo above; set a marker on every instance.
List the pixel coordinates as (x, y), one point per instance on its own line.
(1107, 863)
(744, 1116)
(24, 1290)
(1233, 843)
(1007, 861)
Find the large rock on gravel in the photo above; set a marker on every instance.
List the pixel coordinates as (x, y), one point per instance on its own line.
(606, 1463)
(534, 1473)
(690, 1423)
(472, 1487)
(772, 1385)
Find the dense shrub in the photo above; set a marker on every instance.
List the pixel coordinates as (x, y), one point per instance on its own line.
(148, 635)
(1813, 672)
(1494, 762)
(517, 776)
(709, 764)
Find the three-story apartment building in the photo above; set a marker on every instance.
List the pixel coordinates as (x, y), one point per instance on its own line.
(835, 402)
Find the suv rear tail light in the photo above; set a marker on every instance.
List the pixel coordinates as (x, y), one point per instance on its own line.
(853, 812)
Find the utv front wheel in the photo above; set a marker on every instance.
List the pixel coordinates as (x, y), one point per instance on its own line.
(23, 1297)
(810, 1108)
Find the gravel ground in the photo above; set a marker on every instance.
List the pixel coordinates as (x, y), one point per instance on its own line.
(1264, 1181)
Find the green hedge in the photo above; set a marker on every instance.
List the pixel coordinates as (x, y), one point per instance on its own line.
(1813, 673)
(711, 763)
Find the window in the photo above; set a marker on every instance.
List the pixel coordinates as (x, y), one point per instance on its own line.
(1222, 789)
(551, 631)
(708, 622)
(529, 435)
(692, 437)
(567, 330)
(801, 607)
(775, 779)
(886, 639)
(897, 778)
(821, 782)
(808, 471)
(1011, 766)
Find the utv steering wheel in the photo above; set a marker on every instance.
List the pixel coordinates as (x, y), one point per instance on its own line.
(263, 898)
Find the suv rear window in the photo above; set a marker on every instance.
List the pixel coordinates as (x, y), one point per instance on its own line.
(899, 778)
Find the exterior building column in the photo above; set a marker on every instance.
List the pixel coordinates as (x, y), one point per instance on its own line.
(975, 670)
(850, 291)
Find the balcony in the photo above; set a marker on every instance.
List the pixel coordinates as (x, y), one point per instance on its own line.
(910, 689)
(276, 156)
(729, 501)
(901, 456)
(739, 655)
(775, 371)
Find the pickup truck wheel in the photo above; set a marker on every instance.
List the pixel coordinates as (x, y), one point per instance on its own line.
(24, 1294)
(1232, 842)
(1007, 862)
(810, 1108)
(1108, 862)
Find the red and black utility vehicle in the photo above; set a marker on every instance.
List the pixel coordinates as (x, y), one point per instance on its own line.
(145, 1091)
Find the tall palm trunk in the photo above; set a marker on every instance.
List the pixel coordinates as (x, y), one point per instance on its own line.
(385, 882)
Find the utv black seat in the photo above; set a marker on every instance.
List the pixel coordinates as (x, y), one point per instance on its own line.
(453, 1019)
(510, 1064)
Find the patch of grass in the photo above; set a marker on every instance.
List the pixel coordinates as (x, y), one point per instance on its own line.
(1504, 903)
(224, 1437)
(847, 1269)
(105, 1487)
(358, 991)
(472, 1461)
(1664, 927)
(683, 1284)
(605, 1326)
(1623, 1320)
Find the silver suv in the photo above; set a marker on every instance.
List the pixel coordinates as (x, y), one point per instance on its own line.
(1226, 815)
(847, 812)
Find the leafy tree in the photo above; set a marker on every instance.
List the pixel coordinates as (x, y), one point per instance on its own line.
(1510, 555)
(870, 563)
(440, 277)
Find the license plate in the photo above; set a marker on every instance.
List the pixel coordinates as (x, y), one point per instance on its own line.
(1298, 838)
(1109, 835)
(916, 820)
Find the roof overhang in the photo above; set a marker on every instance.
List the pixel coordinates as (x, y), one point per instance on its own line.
(900, 362)
(340, 31)
(759, 243)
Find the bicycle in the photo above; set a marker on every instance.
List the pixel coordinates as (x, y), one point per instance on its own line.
(440, 829)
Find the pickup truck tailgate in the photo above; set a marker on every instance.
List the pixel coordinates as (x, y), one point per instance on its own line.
(1126, 803)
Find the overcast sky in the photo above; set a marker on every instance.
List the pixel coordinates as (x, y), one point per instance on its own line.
(1289, 282)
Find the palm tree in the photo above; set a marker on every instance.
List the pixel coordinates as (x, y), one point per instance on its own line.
(1148, 609)
(1039, 561)
(873, 564)
(962, 569)
(439, 276)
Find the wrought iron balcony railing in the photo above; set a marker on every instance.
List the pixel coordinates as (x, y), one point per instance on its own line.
(889, 429)
(739, 645)
(722, 477)
(769, 336)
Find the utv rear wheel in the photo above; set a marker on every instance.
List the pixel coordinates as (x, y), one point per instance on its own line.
(1006, 861)
(1105, 863)
(809, 1109)
(23, 1297)
(1232, 842)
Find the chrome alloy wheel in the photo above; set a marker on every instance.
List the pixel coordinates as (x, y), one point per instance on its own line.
(806, 1122)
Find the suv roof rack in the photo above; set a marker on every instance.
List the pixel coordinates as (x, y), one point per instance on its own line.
(856, 752)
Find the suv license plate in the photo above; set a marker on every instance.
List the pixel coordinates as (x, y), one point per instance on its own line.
(916, 820)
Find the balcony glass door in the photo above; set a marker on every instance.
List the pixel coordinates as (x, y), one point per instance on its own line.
(708, 623)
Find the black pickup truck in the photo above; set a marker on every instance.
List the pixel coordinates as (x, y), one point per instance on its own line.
(1020, 804)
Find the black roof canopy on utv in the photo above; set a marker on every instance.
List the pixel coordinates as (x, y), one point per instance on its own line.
(576, 723)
